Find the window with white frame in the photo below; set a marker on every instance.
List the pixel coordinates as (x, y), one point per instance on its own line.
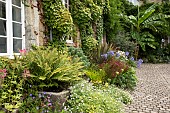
(69, 40)
(66, 3)
(11, 27)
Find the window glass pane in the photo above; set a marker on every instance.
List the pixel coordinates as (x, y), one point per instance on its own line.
(66, 1)
(3, 45)
(16, 2)
(17, 30)
(17, 45)
(3, 27)
(16, 14)
(2, 10)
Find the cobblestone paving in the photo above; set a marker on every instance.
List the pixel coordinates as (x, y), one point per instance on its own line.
(152, 94)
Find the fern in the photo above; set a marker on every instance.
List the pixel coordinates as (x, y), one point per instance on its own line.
(49, 66)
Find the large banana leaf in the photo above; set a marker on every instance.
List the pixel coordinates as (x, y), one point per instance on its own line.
(145, 16)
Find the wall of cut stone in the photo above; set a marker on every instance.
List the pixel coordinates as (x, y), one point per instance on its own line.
(34, 28)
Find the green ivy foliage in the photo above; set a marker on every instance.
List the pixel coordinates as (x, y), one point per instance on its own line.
(57, 18)
(87, 13)
(89, 45)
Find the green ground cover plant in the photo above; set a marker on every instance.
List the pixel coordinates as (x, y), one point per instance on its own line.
(88, 98)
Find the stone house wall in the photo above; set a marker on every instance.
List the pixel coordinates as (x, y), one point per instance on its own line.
(34, 28)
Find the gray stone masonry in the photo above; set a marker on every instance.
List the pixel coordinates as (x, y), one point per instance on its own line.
(152, 94)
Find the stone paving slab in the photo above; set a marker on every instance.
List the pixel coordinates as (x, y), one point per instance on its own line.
(152, 94)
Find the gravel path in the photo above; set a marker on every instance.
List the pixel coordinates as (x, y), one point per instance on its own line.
(152, 94)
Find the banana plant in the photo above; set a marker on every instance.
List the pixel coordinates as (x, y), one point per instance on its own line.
(142, 24)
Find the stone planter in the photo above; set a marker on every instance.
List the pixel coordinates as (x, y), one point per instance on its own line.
(60, 98)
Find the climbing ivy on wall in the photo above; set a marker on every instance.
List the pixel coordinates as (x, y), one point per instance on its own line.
(57, 18)
(88, 17)
(87, 13)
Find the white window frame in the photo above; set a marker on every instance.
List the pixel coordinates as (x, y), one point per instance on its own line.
(66, 4)
(69, 40)
(9, 28)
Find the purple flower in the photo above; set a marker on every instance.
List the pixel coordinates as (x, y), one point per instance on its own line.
(44, 93)
(140, 60)
(126, 53)
(138, 65)
(30, 95)
(104, 56)
(30, 85)
(110, 53)
(33, 97)
(132, 58)
(117, 54)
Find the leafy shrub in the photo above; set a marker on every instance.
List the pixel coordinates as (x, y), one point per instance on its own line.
(127, 80)
(86, 98)
(96, 75)
(123, 42)
(11, 87)
(159, 55)
(89, 45)
(100, 50)
(78, 53)
(49, 67)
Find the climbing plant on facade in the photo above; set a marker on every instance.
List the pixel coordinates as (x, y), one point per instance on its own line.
(88, 17)
(57, 18)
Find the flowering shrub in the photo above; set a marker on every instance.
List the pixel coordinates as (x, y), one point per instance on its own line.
(87, 98)
(114, 67)
(119, 68)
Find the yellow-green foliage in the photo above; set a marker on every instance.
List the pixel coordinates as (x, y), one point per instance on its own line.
(48, 66)
(96, 76)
